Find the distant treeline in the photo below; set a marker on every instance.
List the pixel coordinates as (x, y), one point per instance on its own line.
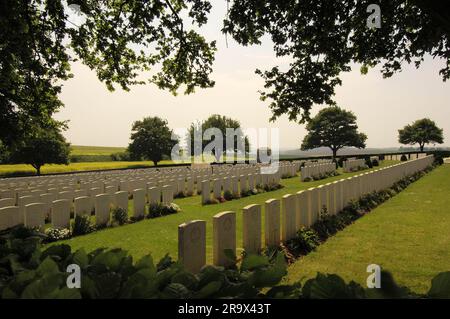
(121, 156)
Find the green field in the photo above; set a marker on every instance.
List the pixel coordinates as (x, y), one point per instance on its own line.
(95, 150)
(159, 236)
(407, 235)
(19, 169)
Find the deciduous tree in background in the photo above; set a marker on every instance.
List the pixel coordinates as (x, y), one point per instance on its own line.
(335, 128)
(222, 123)
(42, 147)
(421, 132)
(151, 139)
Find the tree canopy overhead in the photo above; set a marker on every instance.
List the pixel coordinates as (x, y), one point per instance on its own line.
(423, 131)
(335, 128)
(123, 40)
(117, 39)
(323, 38)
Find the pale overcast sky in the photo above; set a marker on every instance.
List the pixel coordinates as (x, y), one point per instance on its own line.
(102, 118)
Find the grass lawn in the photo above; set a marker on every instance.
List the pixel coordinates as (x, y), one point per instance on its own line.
(407, 235)
(159, 236)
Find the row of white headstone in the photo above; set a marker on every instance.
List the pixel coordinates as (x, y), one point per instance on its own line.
(33, 211)
(397, 157)
(236, 185)
(181, 179)
(311, 171)
(153, 192)
(352, 165)
(283, 217)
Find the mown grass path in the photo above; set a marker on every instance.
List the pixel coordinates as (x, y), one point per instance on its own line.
(159, 236)
(409, 235)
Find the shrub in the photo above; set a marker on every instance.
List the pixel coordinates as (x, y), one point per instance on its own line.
(82, 225)
(221, 199)
(375, 162)
(119, 216)
(55, 234)
(212, 201)
(22, 232)
(154, 210)
(305, 241)
(327, 225)
(272, 187)
(189, 193)
(438, 160)
(228, 195)
(180, 194)
(403, 158)
(89, 158)
(368, 162)
(121, 156)
(246, 193)
(172, 208)
(160, 209)
(336, 163)
(341, 161)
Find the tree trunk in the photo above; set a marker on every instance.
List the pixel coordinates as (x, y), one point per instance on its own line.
(38, 170)
(421, 147)
(334, 153)
(155, 163)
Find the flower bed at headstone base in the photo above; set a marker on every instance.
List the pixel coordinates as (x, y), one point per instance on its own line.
(321, 176)
(83, 225)
(227, 195)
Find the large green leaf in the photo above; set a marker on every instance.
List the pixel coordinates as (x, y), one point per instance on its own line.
(230, 254)
(440, 286)
(45, 287)
(186, 279)
(211, 273)
(57, 252)
(80, 258)
(175, 291)
(146, 262)
(48, 266)
(251, 262)
(331, 287)
(284, 291)
(110, 259)
(209, 290)
(270, 275)
(164, 263)
(141, 284)
(107, 285)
